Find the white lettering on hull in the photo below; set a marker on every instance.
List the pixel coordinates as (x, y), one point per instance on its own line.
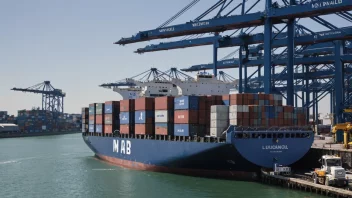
(125, 147)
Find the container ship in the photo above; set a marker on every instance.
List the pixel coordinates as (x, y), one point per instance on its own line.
(229, 136)
(37, 122)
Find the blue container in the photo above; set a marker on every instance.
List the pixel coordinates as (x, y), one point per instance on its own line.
(186, 102)
(226, 102)
(92, 110)
(141, 117)
(126, 117)
(91, 128)
(99, 128)
(185, 129)
(108, 109)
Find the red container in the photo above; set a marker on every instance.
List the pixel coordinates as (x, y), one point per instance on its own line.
(202, 103)
(202, 117)
(144, 129)
(142, 104)
(186, 117)
(164, 103)
(166, 129)
(108, 128)
(125, 129)
(127, 105)
(99, 119)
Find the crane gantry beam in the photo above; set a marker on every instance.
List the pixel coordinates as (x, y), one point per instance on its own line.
(220, 24)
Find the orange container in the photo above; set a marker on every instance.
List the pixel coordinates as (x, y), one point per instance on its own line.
(144, 129)
(186, 117)
(99, 119)
(142, 104)
(108, 128)
(164, 103)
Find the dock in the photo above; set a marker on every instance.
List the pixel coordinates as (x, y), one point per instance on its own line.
(303, 185)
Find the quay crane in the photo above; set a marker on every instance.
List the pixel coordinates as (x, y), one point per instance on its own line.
(52, 98)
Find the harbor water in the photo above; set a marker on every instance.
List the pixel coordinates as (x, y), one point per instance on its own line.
(63, 166)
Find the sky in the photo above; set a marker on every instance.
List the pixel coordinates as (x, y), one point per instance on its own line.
(70, 43)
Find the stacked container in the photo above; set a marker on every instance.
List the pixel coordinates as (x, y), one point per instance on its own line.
(99, 117)
(219, 120)
(92, 118)
(263, 110)
(210, 101)
(111, 116)
(85, 118)
(144, 116)
(186, 116)
(164, 115)
(127, 116)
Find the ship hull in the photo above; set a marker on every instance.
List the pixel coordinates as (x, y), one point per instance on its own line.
(34, 134)
(215, 160)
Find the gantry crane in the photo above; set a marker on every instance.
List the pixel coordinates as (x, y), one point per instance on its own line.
(52, 99)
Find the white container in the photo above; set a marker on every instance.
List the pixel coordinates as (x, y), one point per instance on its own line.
(234, 121)
(219, 109)
(161, 116)
(219, 116)
(219, 123)
(236, 108)
(217, 132)
(232, 116)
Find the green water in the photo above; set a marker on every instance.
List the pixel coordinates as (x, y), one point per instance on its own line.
(63, 166)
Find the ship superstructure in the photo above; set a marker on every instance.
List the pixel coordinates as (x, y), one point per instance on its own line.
(155, 83)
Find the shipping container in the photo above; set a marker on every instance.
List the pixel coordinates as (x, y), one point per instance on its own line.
(219, 123)
(112, 107)
(99, 119)
(220, 109)
(186, 102)
(185, 129)
(108, 128)
(202, 118)
(127, 105)
(99, 128)
(217, 132)
(144, 129)
(144, 104)
(99, 108)
(164, 128)
(186, 117)
(91, 128)
(164, 103)
(127, 129)
(92, 119)
(111, 119)
(143, 117)
(92, 110)
(164, 116)
(219, 116)
(126, 117)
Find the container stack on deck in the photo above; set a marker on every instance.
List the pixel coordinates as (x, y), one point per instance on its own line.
(92, 118)
(186, 116)
(111, 117)
(144, 116)
(164, 115)
(127, 117)
(85, 119)
(99, 117)
(219, 120)
(5, 118)
(193, 115)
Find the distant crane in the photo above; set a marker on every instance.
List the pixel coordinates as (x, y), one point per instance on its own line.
(52, 99)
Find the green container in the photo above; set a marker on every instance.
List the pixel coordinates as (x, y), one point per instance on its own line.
(339, 136)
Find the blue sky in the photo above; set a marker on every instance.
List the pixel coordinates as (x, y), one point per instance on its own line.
(70, 44)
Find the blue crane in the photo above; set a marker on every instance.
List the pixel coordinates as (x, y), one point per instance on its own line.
(279, 40)
(276, 15)
(52, 98)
